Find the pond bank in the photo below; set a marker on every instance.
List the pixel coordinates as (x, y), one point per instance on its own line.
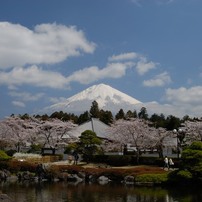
(91, 173)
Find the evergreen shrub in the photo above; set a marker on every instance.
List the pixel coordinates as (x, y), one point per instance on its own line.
(184, 175)
(4, 156)
(124, 160)
(152, 178)
(11, 152)
(118, 160)
(151, 161)
(99, 158)
(192, 159)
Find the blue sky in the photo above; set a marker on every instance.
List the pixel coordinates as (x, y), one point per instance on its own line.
(148, 49)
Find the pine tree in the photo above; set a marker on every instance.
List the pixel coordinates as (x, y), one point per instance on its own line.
(83, 118)
(106, 117)
(143, 113)
(120, 115)
(94, 110)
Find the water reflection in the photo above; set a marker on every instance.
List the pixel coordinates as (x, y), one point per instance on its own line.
(65, 192)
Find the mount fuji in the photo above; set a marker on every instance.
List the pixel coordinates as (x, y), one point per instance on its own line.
(107, 98)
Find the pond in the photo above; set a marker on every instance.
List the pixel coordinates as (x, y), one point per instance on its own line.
(67, 192)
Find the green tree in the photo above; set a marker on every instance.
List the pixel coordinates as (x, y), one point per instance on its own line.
(44, 117)
(83, 118)
(89, 143)
(129, 114)
(186, 118)
(94, 110)
(135, 113)
(25, 116)
(106, 117)
(4, 156)
(120, 115)
(172, 122)
(64, 116)
(143, 113)
(192, 159)
(34, 148)
(71, 147)
(158, 120)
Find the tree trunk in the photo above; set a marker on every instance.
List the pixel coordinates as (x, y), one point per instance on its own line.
(138, 155)
(160, 151)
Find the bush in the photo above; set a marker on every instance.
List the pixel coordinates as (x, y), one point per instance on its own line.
(152, 178)
(124, 160)
(16, 166)
(4, 156)
(99, 158)
(196, 146)
(192, 159)
(11, 152)
(180, 177)
(35, 148)
(117, 160)
(184, 175)
(151, 161)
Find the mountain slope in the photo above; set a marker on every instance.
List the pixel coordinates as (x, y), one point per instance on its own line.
(107, 98)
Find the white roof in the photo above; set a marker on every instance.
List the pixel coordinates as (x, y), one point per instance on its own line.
(95, 125)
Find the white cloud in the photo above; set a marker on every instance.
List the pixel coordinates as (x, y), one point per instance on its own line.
(18, 104)
(143, 66)
(25, 96)
(136, 2)
(160, 2)
(36, 76)
(165, 1)
(116, 69)
(191, 96)
(159, 80)
(124, 56)
(57, 100)
(91, 74)
(182, 101)
(47, 43)
(32, 75)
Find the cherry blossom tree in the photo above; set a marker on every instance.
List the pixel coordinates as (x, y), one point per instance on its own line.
(161, 138)
(133, 131)
(17, 131)
(50, 132)
(111, 145)
(140, 134)
(4, 132)
(25, 132)
(192, 130)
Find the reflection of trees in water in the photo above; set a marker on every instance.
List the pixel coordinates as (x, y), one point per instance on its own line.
(114, 193)
(63, 191)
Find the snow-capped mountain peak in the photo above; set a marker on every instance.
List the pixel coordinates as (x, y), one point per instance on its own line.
(107, 98)
(103, 93)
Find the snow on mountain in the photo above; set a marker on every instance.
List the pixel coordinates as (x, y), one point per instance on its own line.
(107, 98)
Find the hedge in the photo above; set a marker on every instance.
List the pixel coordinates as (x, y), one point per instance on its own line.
(124, 160)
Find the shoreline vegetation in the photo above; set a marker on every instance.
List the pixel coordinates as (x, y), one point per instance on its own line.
(140, 175)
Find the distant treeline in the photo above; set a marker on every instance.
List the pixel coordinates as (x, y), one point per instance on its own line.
(157, 120)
